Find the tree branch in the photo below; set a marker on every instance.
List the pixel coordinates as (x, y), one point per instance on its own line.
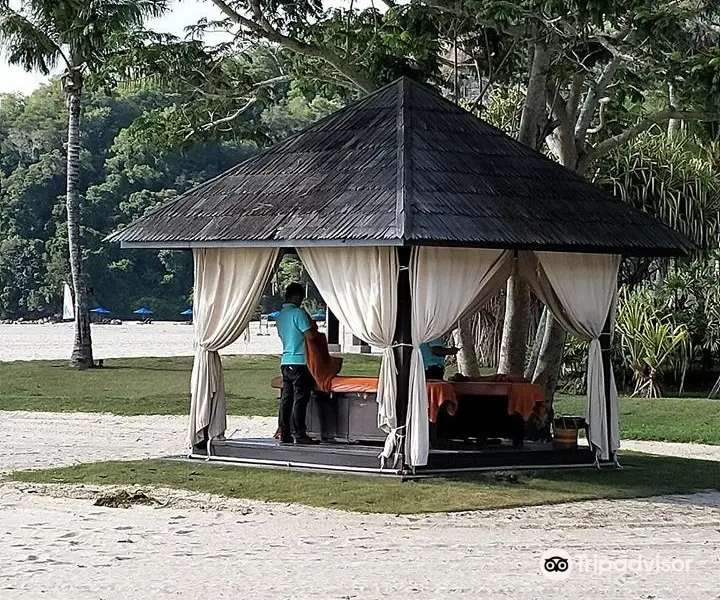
(573, 101)
(265, 29)
(231, 117)
(533, 114)
(592, 98)
(648, 122)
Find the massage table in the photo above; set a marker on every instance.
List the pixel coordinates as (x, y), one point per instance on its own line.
(456, 410)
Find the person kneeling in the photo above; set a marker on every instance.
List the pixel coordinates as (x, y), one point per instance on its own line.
(293, 327)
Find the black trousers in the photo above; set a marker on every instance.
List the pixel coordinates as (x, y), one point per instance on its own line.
(297, 388)
(435, 372)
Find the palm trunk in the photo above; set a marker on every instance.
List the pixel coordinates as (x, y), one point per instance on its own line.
(517, 307)
(82, 357)
(467, 360)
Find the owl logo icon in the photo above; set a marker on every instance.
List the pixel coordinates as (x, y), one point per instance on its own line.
(556, 564)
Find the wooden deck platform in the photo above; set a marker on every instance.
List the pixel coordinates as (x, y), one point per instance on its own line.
(357, 458)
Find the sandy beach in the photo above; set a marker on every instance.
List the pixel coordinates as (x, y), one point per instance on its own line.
(55, 544)
(129, 340)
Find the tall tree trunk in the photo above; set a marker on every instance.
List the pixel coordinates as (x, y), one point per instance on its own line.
(467, 361)
(550, 358)
(674, 101)
(539, 335)
(82, 356)
(515, 327)
(517, 307)
(565, 146)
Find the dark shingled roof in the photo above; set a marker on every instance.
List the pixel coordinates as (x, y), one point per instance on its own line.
(402, 166)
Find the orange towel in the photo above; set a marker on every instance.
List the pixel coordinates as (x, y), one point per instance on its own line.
(321, 365)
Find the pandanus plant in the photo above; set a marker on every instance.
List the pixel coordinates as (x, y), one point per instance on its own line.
(651, 342)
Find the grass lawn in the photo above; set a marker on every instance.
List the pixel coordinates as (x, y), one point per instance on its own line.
(642, 476)
(690, 420)
(145, 386)
(139, 386)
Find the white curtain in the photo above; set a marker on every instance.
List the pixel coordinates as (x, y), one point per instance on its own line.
(444, 282)
(580, 290)
(228, 286)
(359, 285)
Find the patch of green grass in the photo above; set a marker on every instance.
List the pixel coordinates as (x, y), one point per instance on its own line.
(689, 420)
(144, 386)
(642, 476)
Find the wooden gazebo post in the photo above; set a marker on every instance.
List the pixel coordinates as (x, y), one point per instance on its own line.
(403, 337)
(333, 331)
(605, 339)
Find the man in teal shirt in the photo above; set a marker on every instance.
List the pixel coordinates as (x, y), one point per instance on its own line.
(433, 354)
(293, 327)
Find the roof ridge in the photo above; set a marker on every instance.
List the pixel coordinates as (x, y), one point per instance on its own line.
(403, 203)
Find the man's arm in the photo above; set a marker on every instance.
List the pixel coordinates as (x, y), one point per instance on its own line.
(307, 326)
(443, 351)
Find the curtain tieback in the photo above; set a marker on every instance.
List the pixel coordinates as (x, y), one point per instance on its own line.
(401, 345)
(393, 444)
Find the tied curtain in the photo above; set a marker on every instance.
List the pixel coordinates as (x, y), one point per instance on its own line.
(359, 285)
(228, 286)
(444, 283)
(581, 290)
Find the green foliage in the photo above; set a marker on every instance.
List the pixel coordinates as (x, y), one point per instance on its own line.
(573, 371)
(674, 180)
(40, 35)
(652, 342)
(128, 169)
(293, 112)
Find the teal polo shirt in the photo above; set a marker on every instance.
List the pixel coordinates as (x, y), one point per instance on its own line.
(429, 359)
(292, 323)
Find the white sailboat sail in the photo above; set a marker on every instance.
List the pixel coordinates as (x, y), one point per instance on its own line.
(68, 305)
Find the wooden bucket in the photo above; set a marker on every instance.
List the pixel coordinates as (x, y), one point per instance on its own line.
(565, 438)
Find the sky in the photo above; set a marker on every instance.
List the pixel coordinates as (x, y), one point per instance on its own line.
(183, 13)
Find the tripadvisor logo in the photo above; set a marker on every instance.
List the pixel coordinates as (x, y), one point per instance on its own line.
(556, 564)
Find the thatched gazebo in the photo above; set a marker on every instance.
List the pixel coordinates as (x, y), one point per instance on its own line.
(407, 212)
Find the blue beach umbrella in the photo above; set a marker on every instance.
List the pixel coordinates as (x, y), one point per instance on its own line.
(320, 316)
(187, 312)
(143, 311)
(273, 315)
(100, 311)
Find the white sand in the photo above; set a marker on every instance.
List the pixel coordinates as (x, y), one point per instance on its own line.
(132, 339)
(204, 547)
(696, 451)
(39, 440)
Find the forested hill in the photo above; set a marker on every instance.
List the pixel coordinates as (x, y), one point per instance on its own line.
(124, 172)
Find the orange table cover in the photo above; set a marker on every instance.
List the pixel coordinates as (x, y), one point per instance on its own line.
(522, 396)
(439, 392)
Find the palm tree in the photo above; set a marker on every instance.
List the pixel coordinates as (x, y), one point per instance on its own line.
(77, 36)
